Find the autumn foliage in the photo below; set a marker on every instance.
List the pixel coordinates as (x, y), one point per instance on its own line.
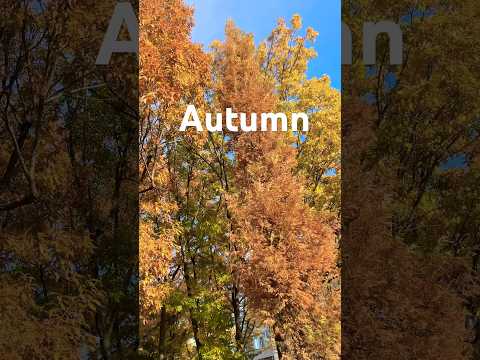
(68, 189)
(409, 207)
(238, 231)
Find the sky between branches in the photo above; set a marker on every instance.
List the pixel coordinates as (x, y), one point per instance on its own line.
(260, 16)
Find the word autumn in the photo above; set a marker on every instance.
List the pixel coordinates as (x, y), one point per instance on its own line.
(124, 13)
(191, 119)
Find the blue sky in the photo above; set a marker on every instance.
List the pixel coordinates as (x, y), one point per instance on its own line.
(260, 17)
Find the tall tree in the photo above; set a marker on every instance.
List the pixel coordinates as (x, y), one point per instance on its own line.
(68, 230)
(200, 193)
(410, 133)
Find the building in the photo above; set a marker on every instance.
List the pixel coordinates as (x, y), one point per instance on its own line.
(264, 347)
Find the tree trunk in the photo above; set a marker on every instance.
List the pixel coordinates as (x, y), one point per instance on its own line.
(162, 332)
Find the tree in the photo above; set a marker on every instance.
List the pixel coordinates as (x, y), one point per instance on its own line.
(68, 241)
(283, 251)
(197, 232)
(408, 246)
